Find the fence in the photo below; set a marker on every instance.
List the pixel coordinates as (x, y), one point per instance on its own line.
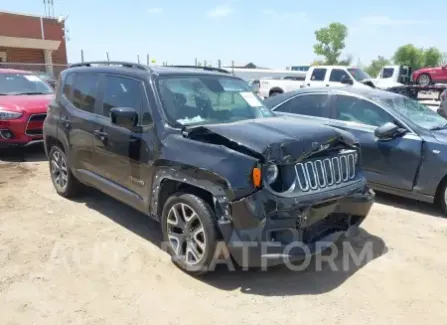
(57, 68)
(34, 67)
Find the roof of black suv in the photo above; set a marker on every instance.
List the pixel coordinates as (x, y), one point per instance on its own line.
(117, 66)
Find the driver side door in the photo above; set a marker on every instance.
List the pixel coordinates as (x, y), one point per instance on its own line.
(392, 163)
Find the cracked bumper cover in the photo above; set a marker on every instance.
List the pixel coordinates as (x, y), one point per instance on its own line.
(267, 230)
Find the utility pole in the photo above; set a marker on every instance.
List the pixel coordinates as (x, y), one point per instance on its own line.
(51, 11)
(45, 8)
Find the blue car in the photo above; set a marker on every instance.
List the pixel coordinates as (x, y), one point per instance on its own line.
(404, 143)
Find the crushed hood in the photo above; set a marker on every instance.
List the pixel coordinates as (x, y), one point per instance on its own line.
(279, 140)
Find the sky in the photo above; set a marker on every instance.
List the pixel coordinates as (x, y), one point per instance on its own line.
(274, 34)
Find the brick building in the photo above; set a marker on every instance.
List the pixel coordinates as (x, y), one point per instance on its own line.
(32, 39)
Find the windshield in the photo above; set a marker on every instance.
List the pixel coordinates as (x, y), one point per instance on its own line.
(413, 110)
(358, 74)
(23, 84)
(192, 100)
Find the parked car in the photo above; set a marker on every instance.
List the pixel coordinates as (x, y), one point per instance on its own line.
(24, 98)
(442, 110)
(427, 76)
(199, 152)
(404, 143)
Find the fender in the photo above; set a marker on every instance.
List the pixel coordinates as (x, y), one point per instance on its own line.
(208, 181)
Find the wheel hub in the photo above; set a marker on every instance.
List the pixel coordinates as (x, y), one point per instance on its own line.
(186, 234)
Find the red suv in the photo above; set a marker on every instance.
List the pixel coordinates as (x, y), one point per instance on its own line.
(24, 98)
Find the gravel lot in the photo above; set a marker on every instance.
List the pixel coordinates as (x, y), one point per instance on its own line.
(96, 261)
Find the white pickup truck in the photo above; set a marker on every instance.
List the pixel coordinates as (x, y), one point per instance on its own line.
(325, 76)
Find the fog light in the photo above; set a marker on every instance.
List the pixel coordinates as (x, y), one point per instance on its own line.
(6, 134)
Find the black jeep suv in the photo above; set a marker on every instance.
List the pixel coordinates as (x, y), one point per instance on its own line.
(199, 152)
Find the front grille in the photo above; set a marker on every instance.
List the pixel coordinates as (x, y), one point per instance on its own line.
(323, 173)
(35, 124)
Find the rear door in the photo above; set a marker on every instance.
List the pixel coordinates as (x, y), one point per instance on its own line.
(392, 163)
(77, 119)
(316, 78)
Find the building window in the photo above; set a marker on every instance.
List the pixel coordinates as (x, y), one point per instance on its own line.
(2, 56)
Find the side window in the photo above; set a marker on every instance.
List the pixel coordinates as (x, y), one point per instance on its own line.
(125, 92)
(357, 110)
(68, 86)
(318, 74)
(312, 105)
(84, 91)
(337, 75)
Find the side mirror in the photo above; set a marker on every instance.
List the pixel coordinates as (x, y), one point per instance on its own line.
(346, 81)
(388, 131)
(125, 117)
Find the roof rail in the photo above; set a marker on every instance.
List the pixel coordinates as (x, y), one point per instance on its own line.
(200, 68)
(112, 63)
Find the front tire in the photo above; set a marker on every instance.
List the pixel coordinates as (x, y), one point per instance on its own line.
(189, 232)
(63, 180)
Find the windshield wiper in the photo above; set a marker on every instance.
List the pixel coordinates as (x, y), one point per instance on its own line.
(439, 127)
(29, 93)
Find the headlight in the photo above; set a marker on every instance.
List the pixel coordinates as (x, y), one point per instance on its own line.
(6, 115)
(271, 173)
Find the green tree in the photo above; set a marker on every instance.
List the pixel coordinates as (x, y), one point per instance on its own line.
(376, 65)
(432, 57)
(346, 61)
(409, 55)
(330, 42)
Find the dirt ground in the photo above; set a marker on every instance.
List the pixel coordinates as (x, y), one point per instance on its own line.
(96, 261)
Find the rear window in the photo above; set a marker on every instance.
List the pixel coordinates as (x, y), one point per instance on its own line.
(318, 74)
(387, 73)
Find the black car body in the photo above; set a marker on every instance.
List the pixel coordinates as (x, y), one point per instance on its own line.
(404, 143)
(180, 143)
(442, 109)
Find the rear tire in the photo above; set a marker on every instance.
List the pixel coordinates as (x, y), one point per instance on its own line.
(189, 232)
(64, 182)
(424, 80)
(274, 93)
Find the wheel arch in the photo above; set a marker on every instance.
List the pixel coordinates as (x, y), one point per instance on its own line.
(276, 90)
(211, 188)
(439, 188)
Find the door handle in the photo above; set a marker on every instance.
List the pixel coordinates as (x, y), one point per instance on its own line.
(327, 85)
(66, 122)
(308, 84)
(100, 135)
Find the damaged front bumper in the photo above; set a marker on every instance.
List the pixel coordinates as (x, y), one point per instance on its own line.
(267, 230)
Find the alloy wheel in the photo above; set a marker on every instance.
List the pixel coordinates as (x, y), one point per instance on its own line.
(424, 80)
(186, 234)
(59, 170)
